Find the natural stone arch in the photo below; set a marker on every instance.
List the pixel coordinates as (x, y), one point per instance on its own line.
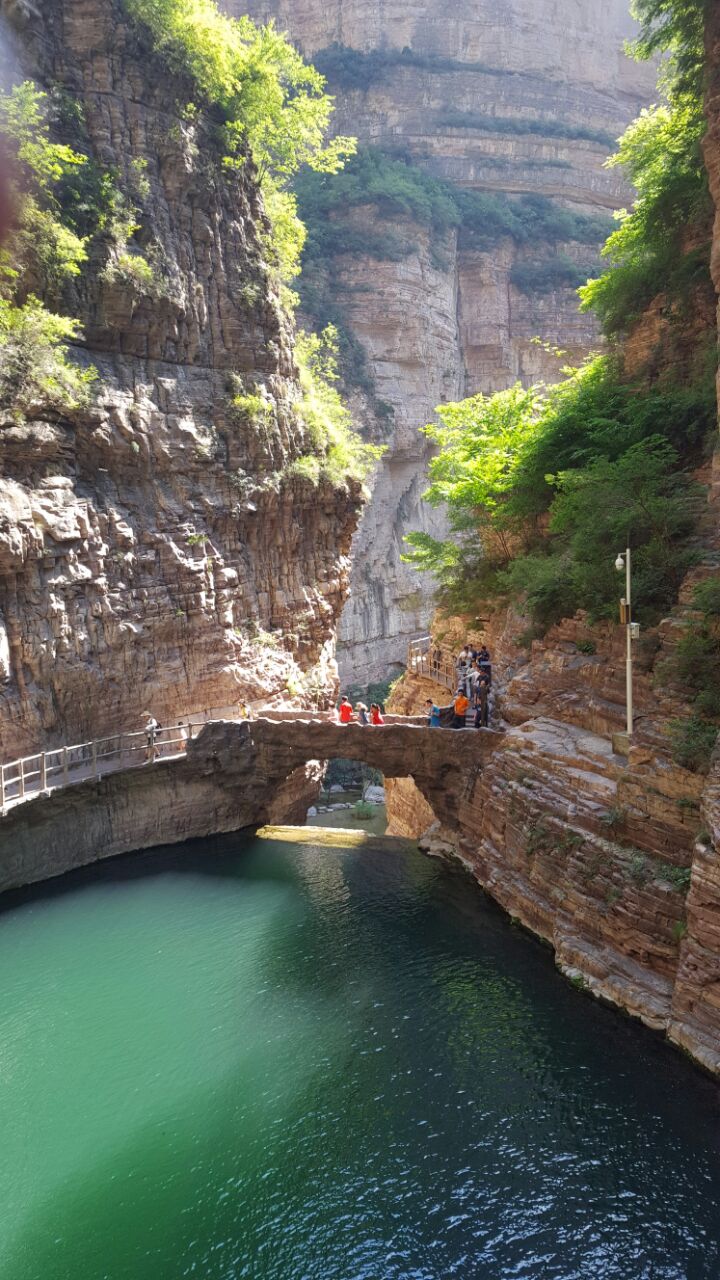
(444, 765)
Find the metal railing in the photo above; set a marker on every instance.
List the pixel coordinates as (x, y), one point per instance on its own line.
(45, 771)
(434, 662)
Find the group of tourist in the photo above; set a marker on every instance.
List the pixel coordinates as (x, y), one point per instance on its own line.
(474, 681)
(473, 670)
(359, 714)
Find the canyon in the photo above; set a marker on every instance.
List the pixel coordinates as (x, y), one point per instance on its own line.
(522, 99)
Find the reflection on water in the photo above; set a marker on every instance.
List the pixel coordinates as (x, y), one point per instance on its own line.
(257, 1059)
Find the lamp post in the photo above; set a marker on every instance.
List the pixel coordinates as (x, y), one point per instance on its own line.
(625, 562)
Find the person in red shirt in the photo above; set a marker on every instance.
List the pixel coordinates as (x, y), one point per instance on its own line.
(345, 711)
(375, 716)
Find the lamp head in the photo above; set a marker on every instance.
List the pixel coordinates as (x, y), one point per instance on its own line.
(620, 564)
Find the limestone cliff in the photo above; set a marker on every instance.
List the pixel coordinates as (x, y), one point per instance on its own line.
(150, 545)
(517, 98)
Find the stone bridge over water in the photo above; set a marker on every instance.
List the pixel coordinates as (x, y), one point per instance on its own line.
(233, 775)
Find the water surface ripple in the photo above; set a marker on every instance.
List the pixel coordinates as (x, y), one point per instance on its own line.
(249, 1059)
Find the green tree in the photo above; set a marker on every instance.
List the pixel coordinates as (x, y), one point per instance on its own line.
(273, 103)
(539, 483)
(36, 374)
(480, 442)
(662, 157)
(44, 251)
(337, 450)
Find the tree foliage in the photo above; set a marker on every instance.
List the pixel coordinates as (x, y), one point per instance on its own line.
(36, 375)
(545, 275)
(45, 251)
(273, 104)
(662, 244)
(541, 484)
(338, 451)
(400, 187)
(546, 127)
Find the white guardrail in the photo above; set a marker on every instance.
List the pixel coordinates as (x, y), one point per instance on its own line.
(59, 767)
(435, 662)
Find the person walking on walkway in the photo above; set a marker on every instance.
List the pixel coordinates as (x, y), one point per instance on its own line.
(362, 713)
(345, 711)
(481, 705)
(151, 730)
(460, 707)
(376, 714)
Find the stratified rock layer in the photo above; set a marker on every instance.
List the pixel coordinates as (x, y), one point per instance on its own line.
(147, 546)
(448, 321)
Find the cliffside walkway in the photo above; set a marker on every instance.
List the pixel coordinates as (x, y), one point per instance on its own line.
(433, 662)
(38, 775)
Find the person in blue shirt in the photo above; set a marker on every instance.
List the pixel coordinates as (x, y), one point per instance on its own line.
(433, 713)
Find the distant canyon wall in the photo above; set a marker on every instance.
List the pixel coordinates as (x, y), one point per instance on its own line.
(516, 98)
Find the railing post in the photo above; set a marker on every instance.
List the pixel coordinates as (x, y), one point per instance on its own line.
(95, 758)
(65, 766)
(43, 772)
(21, 770)
(2, 786)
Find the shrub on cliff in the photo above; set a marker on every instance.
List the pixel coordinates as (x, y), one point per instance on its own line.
(338, 452)
(547, 128)
(272, 103)
(548, 274)
(648, 254)
(400, 187)
(44, 250)
(599, 461)
(661, 245)
(36, 375)
(694, 667)
(693, 742)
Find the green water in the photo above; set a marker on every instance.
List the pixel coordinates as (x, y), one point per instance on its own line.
(248, 1059)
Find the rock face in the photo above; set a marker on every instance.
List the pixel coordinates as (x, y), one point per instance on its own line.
(522, 97)
(148, 546)
(696, 1005)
